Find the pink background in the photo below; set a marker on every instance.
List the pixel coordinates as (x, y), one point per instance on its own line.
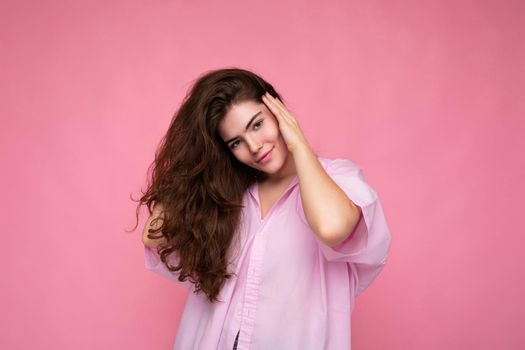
(427, 96)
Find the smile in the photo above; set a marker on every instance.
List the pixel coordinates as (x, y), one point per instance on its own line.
(265, 157)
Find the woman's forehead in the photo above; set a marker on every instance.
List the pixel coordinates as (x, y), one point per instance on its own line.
(238, 117)
(243, 110)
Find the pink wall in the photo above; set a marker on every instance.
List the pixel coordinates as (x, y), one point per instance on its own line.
(427, 96)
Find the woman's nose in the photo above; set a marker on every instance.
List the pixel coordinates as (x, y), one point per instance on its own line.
(254, 145)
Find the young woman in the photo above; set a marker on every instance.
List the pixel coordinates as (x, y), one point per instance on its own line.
(274, 241)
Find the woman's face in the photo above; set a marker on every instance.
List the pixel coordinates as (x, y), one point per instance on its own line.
(250, 130)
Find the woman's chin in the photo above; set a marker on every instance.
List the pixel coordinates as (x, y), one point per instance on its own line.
(271, 170)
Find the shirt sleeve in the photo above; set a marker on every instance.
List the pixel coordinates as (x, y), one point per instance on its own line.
(366, 248)
(153, 263)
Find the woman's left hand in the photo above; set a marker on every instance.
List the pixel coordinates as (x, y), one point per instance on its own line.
(292, 133)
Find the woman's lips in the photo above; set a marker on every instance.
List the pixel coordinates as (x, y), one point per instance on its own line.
(266, 157)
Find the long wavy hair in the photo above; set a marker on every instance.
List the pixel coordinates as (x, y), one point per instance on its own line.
(199, 182)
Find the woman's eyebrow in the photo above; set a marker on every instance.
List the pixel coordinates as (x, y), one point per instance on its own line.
(247, 126)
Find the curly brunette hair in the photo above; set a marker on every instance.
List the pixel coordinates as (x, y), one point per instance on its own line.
(199, 182)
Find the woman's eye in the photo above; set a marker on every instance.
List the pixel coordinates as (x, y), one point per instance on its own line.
(256, 126)
(233, 144)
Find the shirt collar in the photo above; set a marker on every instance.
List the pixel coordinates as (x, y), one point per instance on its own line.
(254, 189)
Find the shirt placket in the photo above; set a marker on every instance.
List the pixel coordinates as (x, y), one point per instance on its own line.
(251, 291)
(253, 280)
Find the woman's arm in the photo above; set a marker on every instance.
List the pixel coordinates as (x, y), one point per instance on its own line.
(329, 211)
(157, 212)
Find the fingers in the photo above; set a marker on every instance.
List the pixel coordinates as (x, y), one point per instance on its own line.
(276, 106)
(270, 102)
(278, 102)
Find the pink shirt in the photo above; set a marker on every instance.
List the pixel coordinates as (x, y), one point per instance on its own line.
(292, 291)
